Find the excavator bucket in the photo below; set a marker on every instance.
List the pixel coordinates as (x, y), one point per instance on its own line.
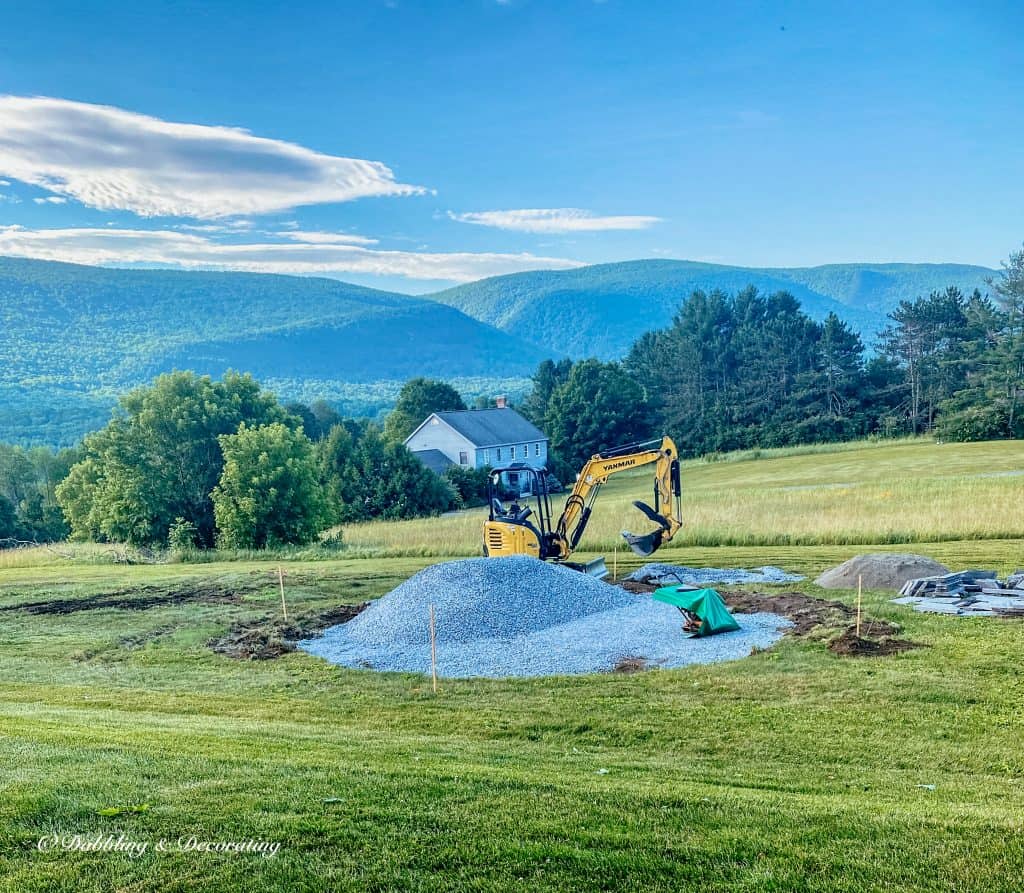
(646, 544)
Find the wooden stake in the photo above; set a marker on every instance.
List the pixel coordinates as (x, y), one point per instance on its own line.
(433, 649)
(280, 581)
(860, 580)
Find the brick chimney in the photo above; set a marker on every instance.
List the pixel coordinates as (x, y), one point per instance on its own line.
(501, 401)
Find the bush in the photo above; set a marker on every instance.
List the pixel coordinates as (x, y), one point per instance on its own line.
(973, 424)
(470, 485)
(181, 539)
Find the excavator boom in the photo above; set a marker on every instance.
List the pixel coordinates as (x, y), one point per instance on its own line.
(666, 511)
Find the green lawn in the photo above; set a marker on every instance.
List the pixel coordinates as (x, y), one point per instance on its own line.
(794, 769)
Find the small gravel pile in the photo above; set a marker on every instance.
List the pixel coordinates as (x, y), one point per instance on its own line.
(881, 570)
(522, 617)
(667, 574)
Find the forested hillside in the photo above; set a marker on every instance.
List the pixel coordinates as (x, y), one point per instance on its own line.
(76, 336)
(601, 310)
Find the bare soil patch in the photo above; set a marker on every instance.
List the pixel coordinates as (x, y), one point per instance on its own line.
(139, 599)
(630, 665)
(265, 638)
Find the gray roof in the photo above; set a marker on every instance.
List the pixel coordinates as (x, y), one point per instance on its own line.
(435, 460)
(492, 427)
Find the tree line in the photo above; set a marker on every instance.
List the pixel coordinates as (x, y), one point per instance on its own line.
(753, 370)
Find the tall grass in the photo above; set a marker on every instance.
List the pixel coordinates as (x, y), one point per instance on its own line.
(907, 492)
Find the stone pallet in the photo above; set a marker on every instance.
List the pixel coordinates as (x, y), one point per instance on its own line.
(972, 593)
(957, 584)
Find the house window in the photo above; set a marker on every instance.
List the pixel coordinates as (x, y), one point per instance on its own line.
(536, 449)
(497, 453)
(487, 457)
(463, 458)
(512, 452)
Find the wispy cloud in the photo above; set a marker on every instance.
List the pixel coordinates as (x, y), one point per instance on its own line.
(114, 159)
(231, 226)
(173, 248)
(314, 237)
(50, 200)
(554, 220)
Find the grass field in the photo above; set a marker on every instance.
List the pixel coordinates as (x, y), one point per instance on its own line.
(908, 492)
(794, 769)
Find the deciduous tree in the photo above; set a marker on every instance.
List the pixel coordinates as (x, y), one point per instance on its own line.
(160, 458)
(269, 493)
(418, 398)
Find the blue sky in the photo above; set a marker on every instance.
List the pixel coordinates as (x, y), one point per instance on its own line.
(411, 145)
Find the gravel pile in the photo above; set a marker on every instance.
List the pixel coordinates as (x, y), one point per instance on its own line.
(522, 617)
(880, 570)
(667, 574)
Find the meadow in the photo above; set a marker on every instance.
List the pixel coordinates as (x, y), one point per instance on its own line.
(794, 769)
(912, 491)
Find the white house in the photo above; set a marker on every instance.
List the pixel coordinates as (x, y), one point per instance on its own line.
(477, 437)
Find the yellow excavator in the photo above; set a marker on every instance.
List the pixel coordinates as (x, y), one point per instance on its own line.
(514, 529)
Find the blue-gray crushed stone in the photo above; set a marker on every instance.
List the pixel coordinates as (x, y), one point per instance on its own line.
(667, 574)
(518, 616)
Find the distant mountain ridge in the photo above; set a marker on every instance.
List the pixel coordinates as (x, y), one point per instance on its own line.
(601, 310)
(74, 336)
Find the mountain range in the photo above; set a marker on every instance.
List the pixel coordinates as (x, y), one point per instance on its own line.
(76, 336)
(601, 310)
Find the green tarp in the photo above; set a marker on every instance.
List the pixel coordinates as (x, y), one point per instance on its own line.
(705, 603)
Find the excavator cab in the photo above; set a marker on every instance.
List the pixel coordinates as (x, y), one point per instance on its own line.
(514, 526)
(520, 521)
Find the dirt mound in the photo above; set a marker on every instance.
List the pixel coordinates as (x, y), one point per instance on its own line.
(882, 570)
(877, 639)
(805, 611)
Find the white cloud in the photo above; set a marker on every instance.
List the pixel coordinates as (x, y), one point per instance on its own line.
(5, 182)
(50, 200)
(114, 159)
(320, 238)
(554, 220)
(171, 248)
(231, 226)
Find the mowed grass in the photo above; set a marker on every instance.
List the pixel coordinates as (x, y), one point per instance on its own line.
(794, 769)
(907, 492)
